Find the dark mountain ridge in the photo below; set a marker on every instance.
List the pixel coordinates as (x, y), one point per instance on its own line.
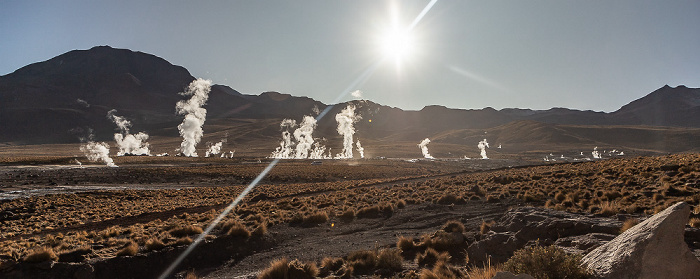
(56, 100)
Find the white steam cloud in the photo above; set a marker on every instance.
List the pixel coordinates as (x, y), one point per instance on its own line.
(215, 149)
(482, 146)
(128, 144)
(304, 138)
(360, 149)
(346, 119)
(595, 153)
(191, 127)
(299, 144)
(97, 151)
(423, 145)
(357, 94)
(82, 102)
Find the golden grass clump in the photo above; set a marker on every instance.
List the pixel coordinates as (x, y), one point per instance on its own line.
(131, 249)
(347, 215)
(405, 243)
(441, 271)
(390, 259)
(608, 209)
(486, 272)
(238, 230)
(154, 244)
(453, 226)
(330, 265)
(628, 224)
(694, 222)
(485, 227)
(185, 230)
(363, 261)
(260, 230)
(183, 241)
(315, 218)
(283, 268)
(41, 254)
(546, 262)
(431, 257)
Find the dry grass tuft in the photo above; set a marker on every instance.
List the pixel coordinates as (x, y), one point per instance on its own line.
(390, 259)
(260, 230)
(694, 222)
(431, 257)
(453, 226)
(330, 265)
(546, 262)
(238, 230)
(315, 218)
(154, 244)
(628, 224)
(486, 272)
(608, 209)
(485, 227)
(131, 249)
(363, 261)
(283, 268)
(183, 241)
(185, 231)
(405, 243)
(41, 254)
(347, 215)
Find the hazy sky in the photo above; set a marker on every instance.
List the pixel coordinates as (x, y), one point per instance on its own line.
(595, 55)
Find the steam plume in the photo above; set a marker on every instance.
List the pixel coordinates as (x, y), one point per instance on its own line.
(423, 145)
(191, 127)
(83, 102)
(319, 152)
(360, 149)
(284, 151)
(215, 149)
(304, 138)
(128, 144)
(346, 119)
(97, 151)
(482, 146)
(357, 94)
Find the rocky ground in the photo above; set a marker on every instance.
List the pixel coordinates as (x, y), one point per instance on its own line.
(341, 209)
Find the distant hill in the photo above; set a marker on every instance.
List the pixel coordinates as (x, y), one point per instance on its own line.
(58, 100)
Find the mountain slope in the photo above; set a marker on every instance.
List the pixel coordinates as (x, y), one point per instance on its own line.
(59, 100)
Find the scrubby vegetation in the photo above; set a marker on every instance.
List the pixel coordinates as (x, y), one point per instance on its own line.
(546, 262)
(150, 220)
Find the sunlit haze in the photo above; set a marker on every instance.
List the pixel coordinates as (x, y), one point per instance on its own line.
(596, 55)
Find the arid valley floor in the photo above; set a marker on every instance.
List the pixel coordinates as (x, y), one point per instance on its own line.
(143, 214)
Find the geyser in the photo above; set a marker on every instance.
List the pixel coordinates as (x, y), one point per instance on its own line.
(302, 145)
(128, 144)
(191, 127)
(482, 146)
(346, 120)
(423, 145)
(97, 151)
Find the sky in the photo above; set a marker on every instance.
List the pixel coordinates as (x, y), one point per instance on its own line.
(588, 55)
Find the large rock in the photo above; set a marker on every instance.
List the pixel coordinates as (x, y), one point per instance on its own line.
(651, 249)
(527, 226)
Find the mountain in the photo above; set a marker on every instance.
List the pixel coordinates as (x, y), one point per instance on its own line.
(63, 98)
(667, 106)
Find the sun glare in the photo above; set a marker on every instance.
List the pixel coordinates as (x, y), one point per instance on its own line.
(396, 44)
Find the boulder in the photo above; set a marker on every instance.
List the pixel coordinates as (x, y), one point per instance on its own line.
(583, 244)
(528, 226)
(652, 249)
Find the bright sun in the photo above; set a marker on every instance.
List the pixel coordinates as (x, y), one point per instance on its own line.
(396, 44)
